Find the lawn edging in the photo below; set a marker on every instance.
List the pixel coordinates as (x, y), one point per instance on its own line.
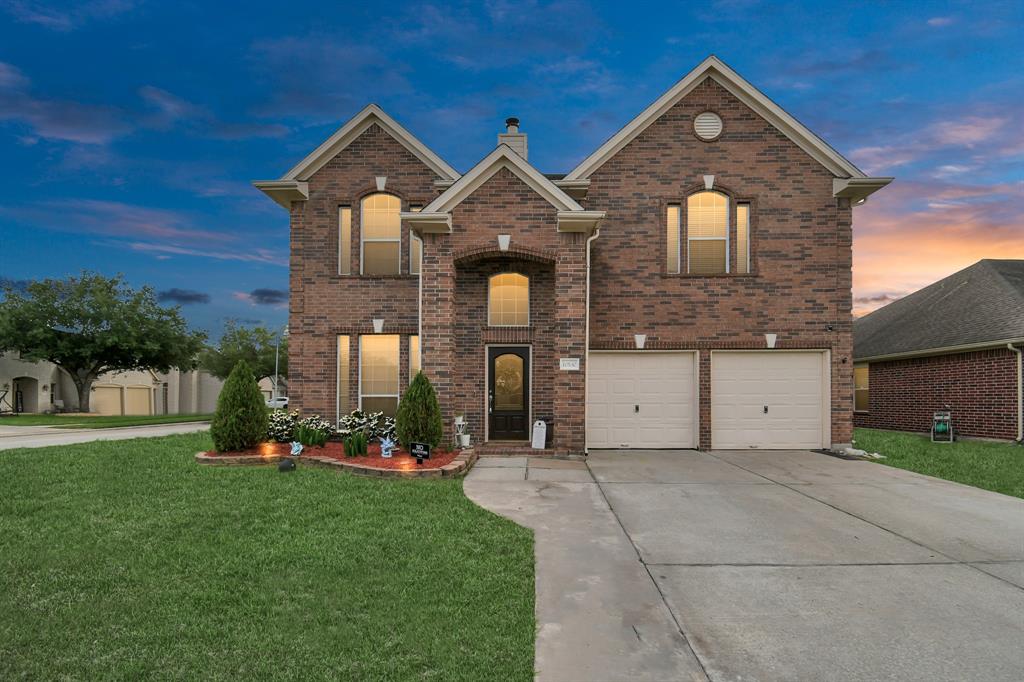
(462, 463)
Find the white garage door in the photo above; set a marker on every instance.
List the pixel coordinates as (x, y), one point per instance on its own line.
(641, 400)
(138, 400)
(771, 400)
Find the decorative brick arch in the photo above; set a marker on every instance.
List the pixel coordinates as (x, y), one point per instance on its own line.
(477, 253)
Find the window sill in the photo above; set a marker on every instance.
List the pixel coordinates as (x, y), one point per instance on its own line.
(721, 275)
(862, 412)
(375, 277)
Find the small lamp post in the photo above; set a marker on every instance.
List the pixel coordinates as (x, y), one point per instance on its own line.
(277, 357)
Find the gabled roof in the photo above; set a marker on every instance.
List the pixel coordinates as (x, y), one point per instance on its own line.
(980, 305)
(715, 68)
(292, 185)
(436, 216)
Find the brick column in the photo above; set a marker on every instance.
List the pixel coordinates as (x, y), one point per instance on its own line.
(437, 310)
(570, 342)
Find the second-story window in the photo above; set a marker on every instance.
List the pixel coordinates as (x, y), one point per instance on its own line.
(508, 301)
(707, 233)
(381, 234)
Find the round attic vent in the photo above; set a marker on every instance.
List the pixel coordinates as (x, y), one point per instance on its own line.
(708, 125)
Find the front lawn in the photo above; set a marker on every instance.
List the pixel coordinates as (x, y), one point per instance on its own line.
(988, 465)
(72, 421)
(127, 560)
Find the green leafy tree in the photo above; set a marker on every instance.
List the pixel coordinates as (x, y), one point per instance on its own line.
(419, 415)
(91, 324)
(256, 345)
(240, 420)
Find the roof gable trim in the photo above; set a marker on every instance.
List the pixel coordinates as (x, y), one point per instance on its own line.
(715, 68)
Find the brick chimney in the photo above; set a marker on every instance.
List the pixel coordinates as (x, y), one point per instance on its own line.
(512, 137)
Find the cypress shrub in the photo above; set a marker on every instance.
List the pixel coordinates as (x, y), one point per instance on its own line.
(240, 420)
(419, 414)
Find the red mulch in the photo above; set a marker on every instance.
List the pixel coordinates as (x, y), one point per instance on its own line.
(400, 459)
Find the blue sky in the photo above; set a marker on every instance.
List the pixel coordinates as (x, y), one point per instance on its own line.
(130, 131)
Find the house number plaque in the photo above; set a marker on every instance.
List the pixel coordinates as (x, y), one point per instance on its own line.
(569, 364)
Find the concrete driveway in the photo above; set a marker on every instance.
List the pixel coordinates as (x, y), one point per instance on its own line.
(42, 436)
(764, 566)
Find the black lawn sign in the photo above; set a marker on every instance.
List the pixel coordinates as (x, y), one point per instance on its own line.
(420, 451)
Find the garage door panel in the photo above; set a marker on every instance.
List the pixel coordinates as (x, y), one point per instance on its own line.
(790, 384)
(661, 384)
(106, 400)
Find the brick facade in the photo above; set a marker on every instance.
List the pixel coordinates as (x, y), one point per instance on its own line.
(980, 388)
(798, 288)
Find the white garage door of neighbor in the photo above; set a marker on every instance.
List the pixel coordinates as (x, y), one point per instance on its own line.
(138, 400)
(106, 400)
(770, 400)
(641, 400)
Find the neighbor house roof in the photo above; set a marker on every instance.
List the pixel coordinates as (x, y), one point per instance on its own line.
(978, 306)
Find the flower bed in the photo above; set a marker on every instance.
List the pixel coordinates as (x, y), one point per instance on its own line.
(399, 465)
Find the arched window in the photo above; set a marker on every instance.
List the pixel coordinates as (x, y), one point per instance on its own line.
(508, 300)
(381, 234)
(707, 233)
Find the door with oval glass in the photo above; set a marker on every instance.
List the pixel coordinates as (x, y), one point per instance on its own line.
(508, 392)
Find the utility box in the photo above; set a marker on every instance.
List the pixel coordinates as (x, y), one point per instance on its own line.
(540, 432)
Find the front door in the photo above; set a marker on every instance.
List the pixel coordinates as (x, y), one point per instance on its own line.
(508, 393)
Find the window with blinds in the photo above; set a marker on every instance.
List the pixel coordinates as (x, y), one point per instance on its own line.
(707, 233)
(381, 231)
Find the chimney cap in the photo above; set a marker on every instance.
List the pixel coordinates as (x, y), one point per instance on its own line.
(512, 121)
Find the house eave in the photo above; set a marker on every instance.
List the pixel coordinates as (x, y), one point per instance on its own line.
(943, 350)
(579, 221)
(428, 223)
(284, 192)
(577, 189)
(857, 190)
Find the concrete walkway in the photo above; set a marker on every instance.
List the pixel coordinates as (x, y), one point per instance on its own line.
(764, 566)
(37, 437)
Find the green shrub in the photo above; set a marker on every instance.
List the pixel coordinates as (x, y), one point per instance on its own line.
(355, 444)
(240, 420)
(419, 414)
(309, 436)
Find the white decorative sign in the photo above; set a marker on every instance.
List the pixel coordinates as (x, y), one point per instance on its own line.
(571, 364)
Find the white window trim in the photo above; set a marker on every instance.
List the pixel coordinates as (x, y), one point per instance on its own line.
(528, 306)
(709, 239)
(363, 239)
(398, 360)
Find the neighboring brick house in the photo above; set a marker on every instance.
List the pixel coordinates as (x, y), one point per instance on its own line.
(687, 285)
(955, 343)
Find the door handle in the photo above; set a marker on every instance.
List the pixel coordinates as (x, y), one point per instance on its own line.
(766, 409)
(636, 408)
(490, 402)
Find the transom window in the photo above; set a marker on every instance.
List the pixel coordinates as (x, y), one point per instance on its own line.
(707, 233)
(378, 373)
(381, 234)
(509, 300)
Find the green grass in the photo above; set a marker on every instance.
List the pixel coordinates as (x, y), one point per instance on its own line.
(992, 466)
(70, 421)
(127, 560)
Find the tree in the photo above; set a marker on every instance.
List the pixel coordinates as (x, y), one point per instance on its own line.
(419, 415)
(256, 345)
(240, 420)
(92, 324)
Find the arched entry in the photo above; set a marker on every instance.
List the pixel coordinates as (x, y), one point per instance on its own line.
(25, 394)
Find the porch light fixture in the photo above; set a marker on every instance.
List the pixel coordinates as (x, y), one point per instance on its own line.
(769, 339)
(640, 340)
(709, 181)
(378, 325)
(503, 241)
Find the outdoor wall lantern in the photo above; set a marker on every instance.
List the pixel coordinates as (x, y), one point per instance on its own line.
(503, 241)
(640, 340)
(378, 325)
(769, 339)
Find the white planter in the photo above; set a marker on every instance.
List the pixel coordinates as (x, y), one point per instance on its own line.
(464, 440)
(640, 340)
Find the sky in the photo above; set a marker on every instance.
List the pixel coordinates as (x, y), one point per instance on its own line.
(130, 131)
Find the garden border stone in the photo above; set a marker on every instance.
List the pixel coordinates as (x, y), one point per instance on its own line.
(462, 463)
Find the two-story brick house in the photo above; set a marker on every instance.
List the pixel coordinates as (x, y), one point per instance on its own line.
(686, 285)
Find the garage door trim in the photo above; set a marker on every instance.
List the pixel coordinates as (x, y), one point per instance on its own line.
(826, 384)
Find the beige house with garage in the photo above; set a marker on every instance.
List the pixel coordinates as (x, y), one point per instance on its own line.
(38, 387)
